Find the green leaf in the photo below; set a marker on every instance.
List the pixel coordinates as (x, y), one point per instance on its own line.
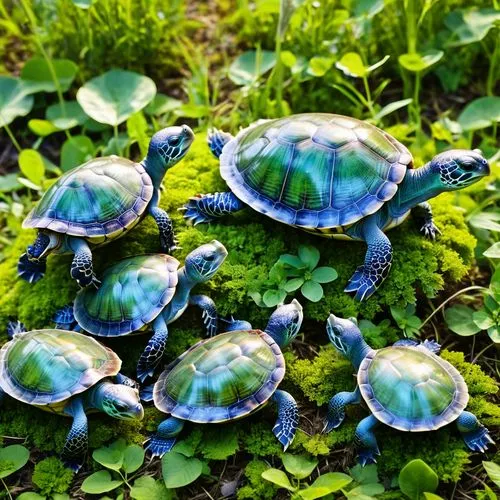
(495, 284)
(377, 65)
(249, 66)
(417, 477)
(137, 129)
(480, 113)
(115, 96)
(273, 297)
(367, 474)
(146, 488)
(420, 62)
(291, 260)
(219, 443)
(318, 66)
(111, 456)
(486, 220)
(32, 165)
(29, 495)
(37, 77)
(99, 482)
(12, 458)
(391, 107)
(71, 116)
(493, 252)
(288, 59)
(300, 466)
(470, 26)
(75, 151)
(161, 105)
(494, 333)
(287, 8)
(324, 274)
(364, 492)
(14, 101)
(326, 484)
(43, 128)
(367, 8)
(179, 470)
(459, 320)
(312, 291)
(9, 183)
(133, 458)
(351, 64)
(185, 448)
(431, 496)
(482, 319)
(309, 255)
(278, 477)
(293, 284)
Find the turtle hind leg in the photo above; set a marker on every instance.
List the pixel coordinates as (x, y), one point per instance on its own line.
(154, 350)
(288, 418)
(475, 434)
(368, 277)
(76, 443)
(164, 439)
(365, 440)
(64, 319)
(336, 408)
(216, 140)
(208, 207)
(81, 268)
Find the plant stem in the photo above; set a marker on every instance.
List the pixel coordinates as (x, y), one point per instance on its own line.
(369, 101)
(12, 138)
(411, 27)
(115, 134)
(6, 489)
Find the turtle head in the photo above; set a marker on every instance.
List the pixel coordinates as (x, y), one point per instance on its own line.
(459, 168)
(120, 401)
(203, 262)
(284, 324)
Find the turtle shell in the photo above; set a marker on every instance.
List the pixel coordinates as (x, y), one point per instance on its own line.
(100, 198)
(412, 389)
(42, 367)
(314, 170)
(221, 378)
(132, 294)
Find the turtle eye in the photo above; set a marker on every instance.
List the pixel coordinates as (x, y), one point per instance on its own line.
(175, 141)
(122, 408)
(468, 166)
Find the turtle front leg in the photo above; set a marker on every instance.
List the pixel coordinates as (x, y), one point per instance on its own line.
(164, 439)
(64, 319)
(475, 434)
(154, 350)
(168, 242)
(32, 265)
(336, 408)
(423, 213)
(208, 207)
(77, 441)
(365, 439)
(209, 312)
(288, 418)
(82, 269)
(378, 260)
(216, 140)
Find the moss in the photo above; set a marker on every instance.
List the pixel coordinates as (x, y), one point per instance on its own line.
(256, 487)
(50, 476)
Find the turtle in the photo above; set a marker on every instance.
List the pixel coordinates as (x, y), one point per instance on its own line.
(69, 374)
(227, 377)
(406, 386)
(146, 290)
(99, 201)
(333, 176)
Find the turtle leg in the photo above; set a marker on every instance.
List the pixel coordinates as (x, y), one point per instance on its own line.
(168, 243)
(368, 277)
(288, 418)
(154, 350)
(475, 434)
(14, 327)
(208, 207)
(431, 345)
(64, 319)
(76, 443)
(423, 213)
(217, 139)
(364, 438)
(81, 268)
(32, 264)
(231, 324)
(124, 380)
(336, 408)
(209, 312)
(146, 393)
(164, 439)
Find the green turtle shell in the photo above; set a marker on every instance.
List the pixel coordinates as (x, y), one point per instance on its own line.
(412, 389)
(43, 367)
(314, 170)
(99, 199)
(132, 294)
(222, 378)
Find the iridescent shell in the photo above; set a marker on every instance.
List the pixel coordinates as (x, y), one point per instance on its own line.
(221, 378)
(132, 294)
(412, 389)
(314, 170)
(101, 198)
(43, 367)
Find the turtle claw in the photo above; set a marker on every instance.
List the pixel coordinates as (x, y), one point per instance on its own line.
(30, 269)
(361, 284)
(73, 465)
(332, 423)
(158, 446)
(192, 212)
(430, 230)
(478, 440)
(367, 456)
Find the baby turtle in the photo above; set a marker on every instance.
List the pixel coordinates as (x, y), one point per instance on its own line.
(99, 201)
(406, 386)
(336, 177)
(69, 374)
(228, 377)
(143, 290)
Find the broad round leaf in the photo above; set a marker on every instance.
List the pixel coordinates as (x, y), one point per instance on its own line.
(482, 319)
(480, 113)
(146, 488)
(324, 274)
(326, 484)
(293, 284)
(116, 95)
(470, 26)
(486, 220)
(37, 77)
(75, 151)
(300, 466)
(29, 495)
(14, 101)
(43, 128)
(162, 104)
(459, 320)
(111, 456)
(278, 477)
(351, 64)
(31, 165)
(273, 297)
(133, 458)
(179, 470)
(417, 477)
(12, 458)
(71, 116)
(419, 62)
(493, 252)
(291, 260)
(494, 333)
(250, 65)
(318, 66)
(312, 291)
(309, 255)
(99, 482)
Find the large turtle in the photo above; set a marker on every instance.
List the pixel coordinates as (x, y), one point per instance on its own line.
(146, 290)
(333, 176)
(69, 374)
(228, 377)
(98, 202)
(406, 386)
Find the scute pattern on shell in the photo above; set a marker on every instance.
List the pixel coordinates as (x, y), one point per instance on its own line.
(100, 198)
(48, 366)
(314, 170)
(222, 378)
(412, 389)
(132, 293)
